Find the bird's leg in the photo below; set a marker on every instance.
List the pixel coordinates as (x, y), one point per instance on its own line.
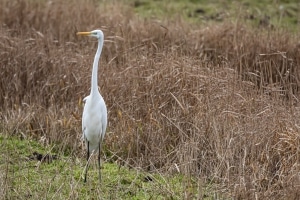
(99, 167)
(87, 159)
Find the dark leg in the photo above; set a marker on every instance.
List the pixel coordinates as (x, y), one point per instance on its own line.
(99, 167)
(87, 160)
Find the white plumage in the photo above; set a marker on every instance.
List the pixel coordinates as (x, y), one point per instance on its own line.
(94, 117)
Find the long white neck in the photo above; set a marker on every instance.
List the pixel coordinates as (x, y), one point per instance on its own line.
(94, 83)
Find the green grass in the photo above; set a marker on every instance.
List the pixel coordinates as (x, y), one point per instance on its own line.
(61, 178)
(274, 13)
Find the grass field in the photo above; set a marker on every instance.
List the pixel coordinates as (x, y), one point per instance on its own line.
(265, 13)
(33, 172)
(203, 99)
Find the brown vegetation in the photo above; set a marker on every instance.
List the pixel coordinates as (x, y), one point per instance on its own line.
(219, 102)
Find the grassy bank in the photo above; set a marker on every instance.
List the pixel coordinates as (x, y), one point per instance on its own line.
(29, 170)
(266, 13)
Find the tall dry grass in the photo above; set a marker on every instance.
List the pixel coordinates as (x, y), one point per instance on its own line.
(219, 102)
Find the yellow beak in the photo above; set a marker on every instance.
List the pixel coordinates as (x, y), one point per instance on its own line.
(83, 33)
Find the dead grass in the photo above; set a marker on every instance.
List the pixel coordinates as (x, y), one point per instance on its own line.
(219, 102)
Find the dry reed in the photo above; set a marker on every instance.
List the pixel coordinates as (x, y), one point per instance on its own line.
(219, 102)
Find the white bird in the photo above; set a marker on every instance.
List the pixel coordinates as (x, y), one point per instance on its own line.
(94, 117)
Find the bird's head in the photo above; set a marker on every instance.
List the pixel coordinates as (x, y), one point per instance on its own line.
(96, 33)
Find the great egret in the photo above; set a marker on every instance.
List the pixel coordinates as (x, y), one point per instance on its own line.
(94, 117)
